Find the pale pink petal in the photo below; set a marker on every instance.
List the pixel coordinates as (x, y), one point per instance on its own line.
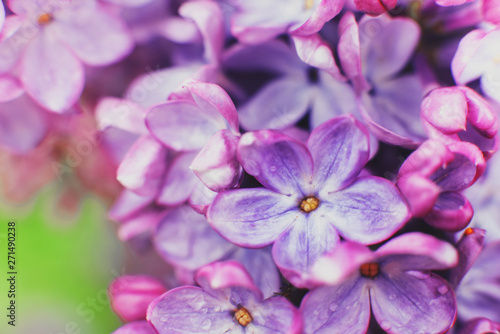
(315, 52)
(95, 35)
(324, 12)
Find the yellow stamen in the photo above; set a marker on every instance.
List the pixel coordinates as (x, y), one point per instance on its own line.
(309, 204)
(309, 4)
(468, 231)
(243, 316)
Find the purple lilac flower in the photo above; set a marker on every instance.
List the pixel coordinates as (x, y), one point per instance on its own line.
(432, 177)
(185, 239)
(458, 113)
(130, 296)
(257, 21)
(302, 85)
(372, 55)
(226, 301)
(312, 194)
(394, 282)
(48, 42)
(490, 11)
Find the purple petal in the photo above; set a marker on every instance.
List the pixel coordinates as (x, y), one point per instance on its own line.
(182, 126)
(277, 161)
(416, 251)
(315, 52)
(331, 98)
(276, 315)
(479, 113)
(341, 264)
(225, 279)
(14, 30)
(143, 167)
(10, 88)
(324, 12)
(445, 109)
(211, 96)
(216, 164)
(349, 52)
(279, 104)
(393, 112)
(131, 295)
(340, 149)
(209, 19)
(253, 217)
(296, 250)
(201, 198)
(23, 124)
(260, 265)
(2, 16)
(140, 226)
(420, 193)
(468, 63)
(344, 308)
(154, 87)
(368, 211)
(184, 238)
(451, 212)
(469, 247)
(122, 114)
(51, 74)
(189, 309)
(138, 327)
(386, 54)
(179, 181)
(410, 303)
(128, 204)
(95, 35)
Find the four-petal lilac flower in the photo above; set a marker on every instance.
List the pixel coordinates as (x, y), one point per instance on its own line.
(312, 195)
(226, 301)
(394, 282)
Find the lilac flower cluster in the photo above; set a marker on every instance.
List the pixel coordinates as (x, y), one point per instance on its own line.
(299, 166)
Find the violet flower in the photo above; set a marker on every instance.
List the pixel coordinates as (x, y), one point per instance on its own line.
(226, 301)
(304, 83)
(460, 114)
(50, 40)
(312, 195)
(432, 177)
(394, 282)
(372, 55)
(257, 21)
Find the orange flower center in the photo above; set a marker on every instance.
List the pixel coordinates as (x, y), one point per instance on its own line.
(242, 316)
(44, 19)
(309, 204)
(468, 231)
(369, 270)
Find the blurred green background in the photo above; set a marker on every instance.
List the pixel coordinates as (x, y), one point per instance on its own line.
(64, 265)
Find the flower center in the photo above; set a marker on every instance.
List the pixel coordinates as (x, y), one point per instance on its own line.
(44, 19)
(468, 231)
(309, 204)
(308, 4)
(242, 316)
(369, 270)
